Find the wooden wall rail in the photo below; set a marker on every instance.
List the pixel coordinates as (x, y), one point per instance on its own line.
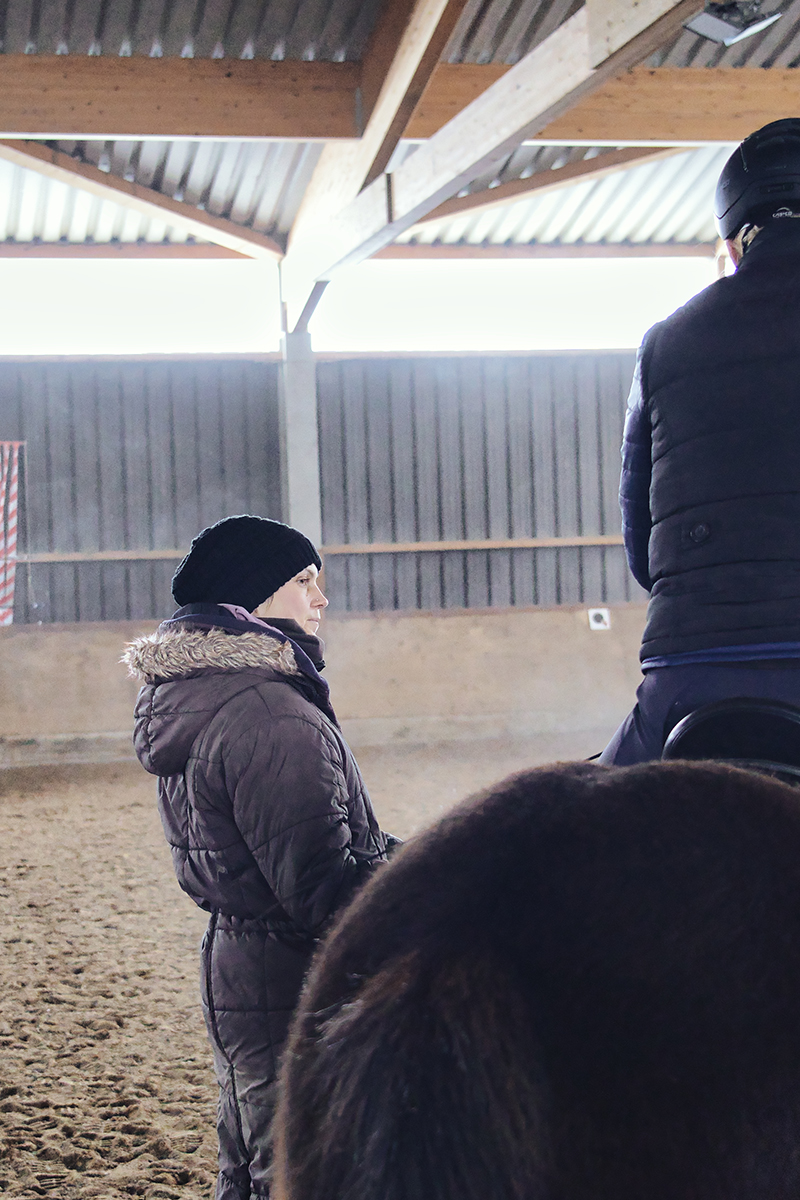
(472, 544)
(57, 556)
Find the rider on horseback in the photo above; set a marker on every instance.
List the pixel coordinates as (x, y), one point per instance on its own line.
(710, 488)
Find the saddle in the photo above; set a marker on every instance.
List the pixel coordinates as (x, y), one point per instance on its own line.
(757, 735)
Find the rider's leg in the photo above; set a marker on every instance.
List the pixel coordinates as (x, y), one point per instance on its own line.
(639, 737)
(668, 694)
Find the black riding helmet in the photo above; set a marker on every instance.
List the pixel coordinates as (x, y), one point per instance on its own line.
(760, 177)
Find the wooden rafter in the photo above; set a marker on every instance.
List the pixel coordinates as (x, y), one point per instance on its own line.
(400, 60)
(52, 163)
(402, 250)
(662, 104)
(140, 249)
(452, 87)
(404, 79)
(74, 96)
(673, 104)
(562, 70)
(463, 250)
(547, 181)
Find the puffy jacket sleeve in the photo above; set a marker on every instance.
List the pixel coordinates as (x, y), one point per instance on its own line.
(290, 804)
(634, 486)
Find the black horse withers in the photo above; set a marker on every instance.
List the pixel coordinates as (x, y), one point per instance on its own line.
(757, 735)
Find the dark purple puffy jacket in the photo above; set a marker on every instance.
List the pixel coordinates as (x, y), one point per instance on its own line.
(271, 830)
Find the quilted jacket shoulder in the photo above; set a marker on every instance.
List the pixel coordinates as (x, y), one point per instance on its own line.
(261, 800)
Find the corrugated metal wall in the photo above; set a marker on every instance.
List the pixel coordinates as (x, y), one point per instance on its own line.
(473, 448)
(141, 455)
(132, 456)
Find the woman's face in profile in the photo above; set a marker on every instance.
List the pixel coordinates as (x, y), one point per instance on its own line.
(299, 600)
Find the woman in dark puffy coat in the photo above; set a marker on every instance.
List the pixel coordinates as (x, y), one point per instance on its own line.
(269, 822)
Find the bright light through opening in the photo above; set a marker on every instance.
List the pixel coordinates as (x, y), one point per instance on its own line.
(511, 305)
(179, 306)
(138, 306)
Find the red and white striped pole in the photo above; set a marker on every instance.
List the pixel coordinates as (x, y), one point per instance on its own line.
(9, 496)
(5, 462)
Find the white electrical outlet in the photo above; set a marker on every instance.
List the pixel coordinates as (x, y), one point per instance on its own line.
(599, 618)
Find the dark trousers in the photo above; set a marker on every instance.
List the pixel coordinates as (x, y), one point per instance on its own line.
(244, 1128)
(667, 694)
(251, 980)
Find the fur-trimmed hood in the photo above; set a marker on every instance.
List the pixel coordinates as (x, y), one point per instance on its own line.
(181, 653)
(188, 675)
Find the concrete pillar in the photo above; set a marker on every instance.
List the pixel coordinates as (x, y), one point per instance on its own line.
(299, 440)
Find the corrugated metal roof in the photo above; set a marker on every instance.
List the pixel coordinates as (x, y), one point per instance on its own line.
(36, 209)
(663, 202)
(260, 186)
(777, 46)
(528, 159)
(256, 184)
(505, 30)
(334, 30)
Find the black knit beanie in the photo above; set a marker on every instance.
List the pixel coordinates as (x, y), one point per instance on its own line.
(242, 560)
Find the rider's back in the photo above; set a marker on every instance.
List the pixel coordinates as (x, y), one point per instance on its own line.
(720, 383)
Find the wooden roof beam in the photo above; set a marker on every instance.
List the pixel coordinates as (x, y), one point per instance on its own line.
(601, 40)
(588, 169)
(466, 250)
(104, 97)
(681, 104)
(662, 104)
(99, 97)
(115, 249)
(400, 59)
(149, 203)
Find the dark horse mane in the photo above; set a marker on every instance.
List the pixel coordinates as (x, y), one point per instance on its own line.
(583, 984)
